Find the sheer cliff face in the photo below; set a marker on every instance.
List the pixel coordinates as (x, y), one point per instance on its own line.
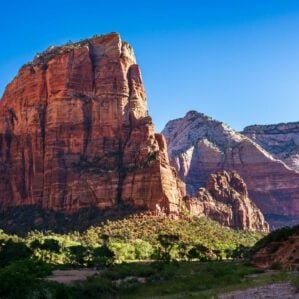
(225, 199)
(74, 132)
(199, 145)
(281, 140)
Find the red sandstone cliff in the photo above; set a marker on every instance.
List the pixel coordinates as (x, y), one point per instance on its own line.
(74, 132)
(225, 199)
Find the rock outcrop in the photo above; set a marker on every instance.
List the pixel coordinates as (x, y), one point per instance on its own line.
(225, 199)
(281, 140)
(199, 146)
(278, 250)
(75, 133)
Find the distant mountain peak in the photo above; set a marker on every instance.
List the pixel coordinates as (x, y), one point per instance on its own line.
(198, 145)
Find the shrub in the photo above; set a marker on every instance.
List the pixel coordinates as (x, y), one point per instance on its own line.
(200, 252)
(78, 255)
(11, 251)
(20, 278)
(102, 256)
(123, 251)
(143, 249)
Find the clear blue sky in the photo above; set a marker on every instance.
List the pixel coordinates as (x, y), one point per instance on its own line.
(237, 61)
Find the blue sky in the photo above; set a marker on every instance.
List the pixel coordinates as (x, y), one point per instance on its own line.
(237, 61)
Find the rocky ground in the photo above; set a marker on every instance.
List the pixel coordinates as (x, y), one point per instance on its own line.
(275, 290)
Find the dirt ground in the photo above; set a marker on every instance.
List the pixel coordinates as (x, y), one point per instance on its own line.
(71, 276)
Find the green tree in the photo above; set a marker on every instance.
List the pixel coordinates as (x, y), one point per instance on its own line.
(78, 255)
(167, 242)
(51, 246)
(241, 252)
(199, 251)
(102, 256)
(21, 279)
(123, 251)
(182, 250)
(11, 251)
(143, 249)
(47, 248)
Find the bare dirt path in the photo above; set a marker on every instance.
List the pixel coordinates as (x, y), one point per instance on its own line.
(71, 276)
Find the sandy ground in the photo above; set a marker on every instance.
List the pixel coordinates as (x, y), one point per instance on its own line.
(270, 291)
(71, 276)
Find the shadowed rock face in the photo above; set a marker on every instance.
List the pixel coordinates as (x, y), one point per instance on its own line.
(199, 145)
(75, 133)
(281, 140)
(225, 199)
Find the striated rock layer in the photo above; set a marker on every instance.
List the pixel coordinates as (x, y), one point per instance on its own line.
(225, 199)
(281, 140)
(199, 145)
(75, 133)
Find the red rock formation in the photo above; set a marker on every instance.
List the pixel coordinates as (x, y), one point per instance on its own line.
(74, 132)
(199, 145)
(225, 199)
(280, 249)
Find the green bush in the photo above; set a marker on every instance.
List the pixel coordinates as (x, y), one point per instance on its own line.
(78, 255)
(11, 251)
(199, 252)
(123, 251)
(102, 256)
(143, 249)
(20, 279)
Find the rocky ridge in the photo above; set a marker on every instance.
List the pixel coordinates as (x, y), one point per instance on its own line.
(225, 199)
(199, 145)
(281, 140)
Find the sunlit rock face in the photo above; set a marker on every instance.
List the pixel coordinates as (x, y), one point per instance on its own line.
(225, 199)
(199, 145)
(281, 140)
(75, 133)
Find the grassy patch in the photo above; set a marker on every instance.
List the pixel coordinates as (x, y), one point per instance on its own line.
(165, 279)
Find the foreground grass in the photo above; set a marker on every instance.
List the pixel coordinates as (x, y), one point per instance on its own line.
(174, 280)
(26, 280)
(188, 278)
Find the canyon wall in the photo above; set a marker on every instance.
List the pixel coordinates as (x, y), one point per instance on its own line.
(75, 133)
